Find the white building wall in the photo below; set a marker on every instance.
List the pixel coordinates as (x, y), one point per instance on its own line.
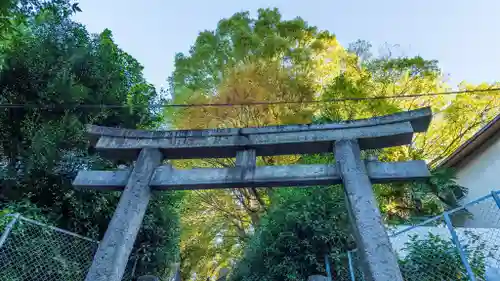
(481, 175)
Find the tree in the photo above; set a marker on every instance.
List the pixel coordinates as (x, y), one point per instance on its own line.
(398, 202)
(269, 59)
(302, 226)
(433, 259)
(246, 60)
(57, 72)
(455, 119)
(292, 42)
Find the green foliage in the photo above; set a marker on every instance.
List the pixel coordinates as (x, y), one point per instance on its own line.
(302, 225)
(44, 144)
(211, 236)
(25, 207)
(241, 37)
(54, 68)
(244, 59)
(221, 67)
(157, 245)
(407, 203)
(437, 259)
(15, 14)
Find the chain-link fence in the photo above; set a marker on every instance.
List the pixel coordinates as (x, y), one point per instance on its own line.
(33, 251)
(461, 244)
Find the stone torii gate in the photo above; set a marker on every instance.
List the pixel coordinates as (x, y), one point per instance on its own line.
(345, 139)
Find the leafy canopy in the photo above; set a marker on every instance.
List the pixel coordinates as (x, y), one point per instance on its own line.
(54, 68)
(267, 58)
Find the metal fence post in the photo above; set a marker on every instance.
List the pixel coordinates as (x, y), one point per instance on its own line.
(461, 251)
(327, 267)
(8, 229)
(494, 194)
(351, 267)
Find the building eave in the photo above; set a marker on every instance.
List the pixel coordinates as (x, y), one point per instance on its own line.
(472, 145)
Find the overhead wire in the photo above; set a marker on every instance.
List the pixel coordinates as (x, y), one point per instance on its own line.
(257, 103)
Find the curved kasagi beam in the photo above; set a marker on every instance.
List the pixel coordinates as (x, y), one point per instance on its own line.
(419, 119)
(378, 132)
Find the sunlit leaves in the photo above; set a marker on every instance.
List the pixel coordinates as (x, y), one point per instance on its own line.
(245, 60)
(248, 82)
(265, 58)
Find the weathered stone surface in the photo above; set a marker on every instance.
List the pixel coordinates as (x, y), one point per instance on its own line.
(246, 159)
(112, 255)
(176, 272)
(379, 261)
(264, 144)
(273, 176)
(165, 177)
(103, 180)
(317, 278)
(148, 278)
(177, 276)
(419, 120)
(173, 148)
(375, 132)
(245, 143)
(223, 273)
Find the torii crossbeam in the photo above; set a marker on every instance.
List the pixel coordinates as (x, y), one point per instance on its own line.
(345, 139)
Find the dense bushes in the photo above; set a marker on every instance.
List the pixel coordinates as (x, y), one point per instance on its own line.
(57, 72)
(302, 226)
(436, 259)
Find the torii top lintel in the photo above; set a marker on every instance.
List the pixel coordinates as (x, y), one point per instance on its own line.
(378, 132)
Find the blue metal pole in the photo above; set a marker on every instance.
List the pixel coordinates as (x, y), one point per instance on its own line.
(494, 194)
(426, 222)
(351, 267)
(9, 228)
(461, 251)
(327, 266)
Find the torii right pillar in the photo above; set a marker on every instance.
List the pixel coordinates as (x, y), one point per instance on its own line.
(379, 261)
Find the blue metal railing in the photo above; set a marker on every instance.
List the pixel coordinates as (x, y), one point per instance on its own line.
(454, 238)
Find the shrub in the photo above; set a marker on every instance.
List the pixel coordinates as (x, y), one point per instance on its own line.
(437, 259)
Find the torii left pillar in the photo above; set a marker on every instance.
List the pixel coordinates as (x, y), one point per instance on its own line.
(111, 258)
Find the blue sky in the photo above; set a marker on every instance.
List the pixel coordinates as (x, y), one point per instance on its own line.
(464, 35)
